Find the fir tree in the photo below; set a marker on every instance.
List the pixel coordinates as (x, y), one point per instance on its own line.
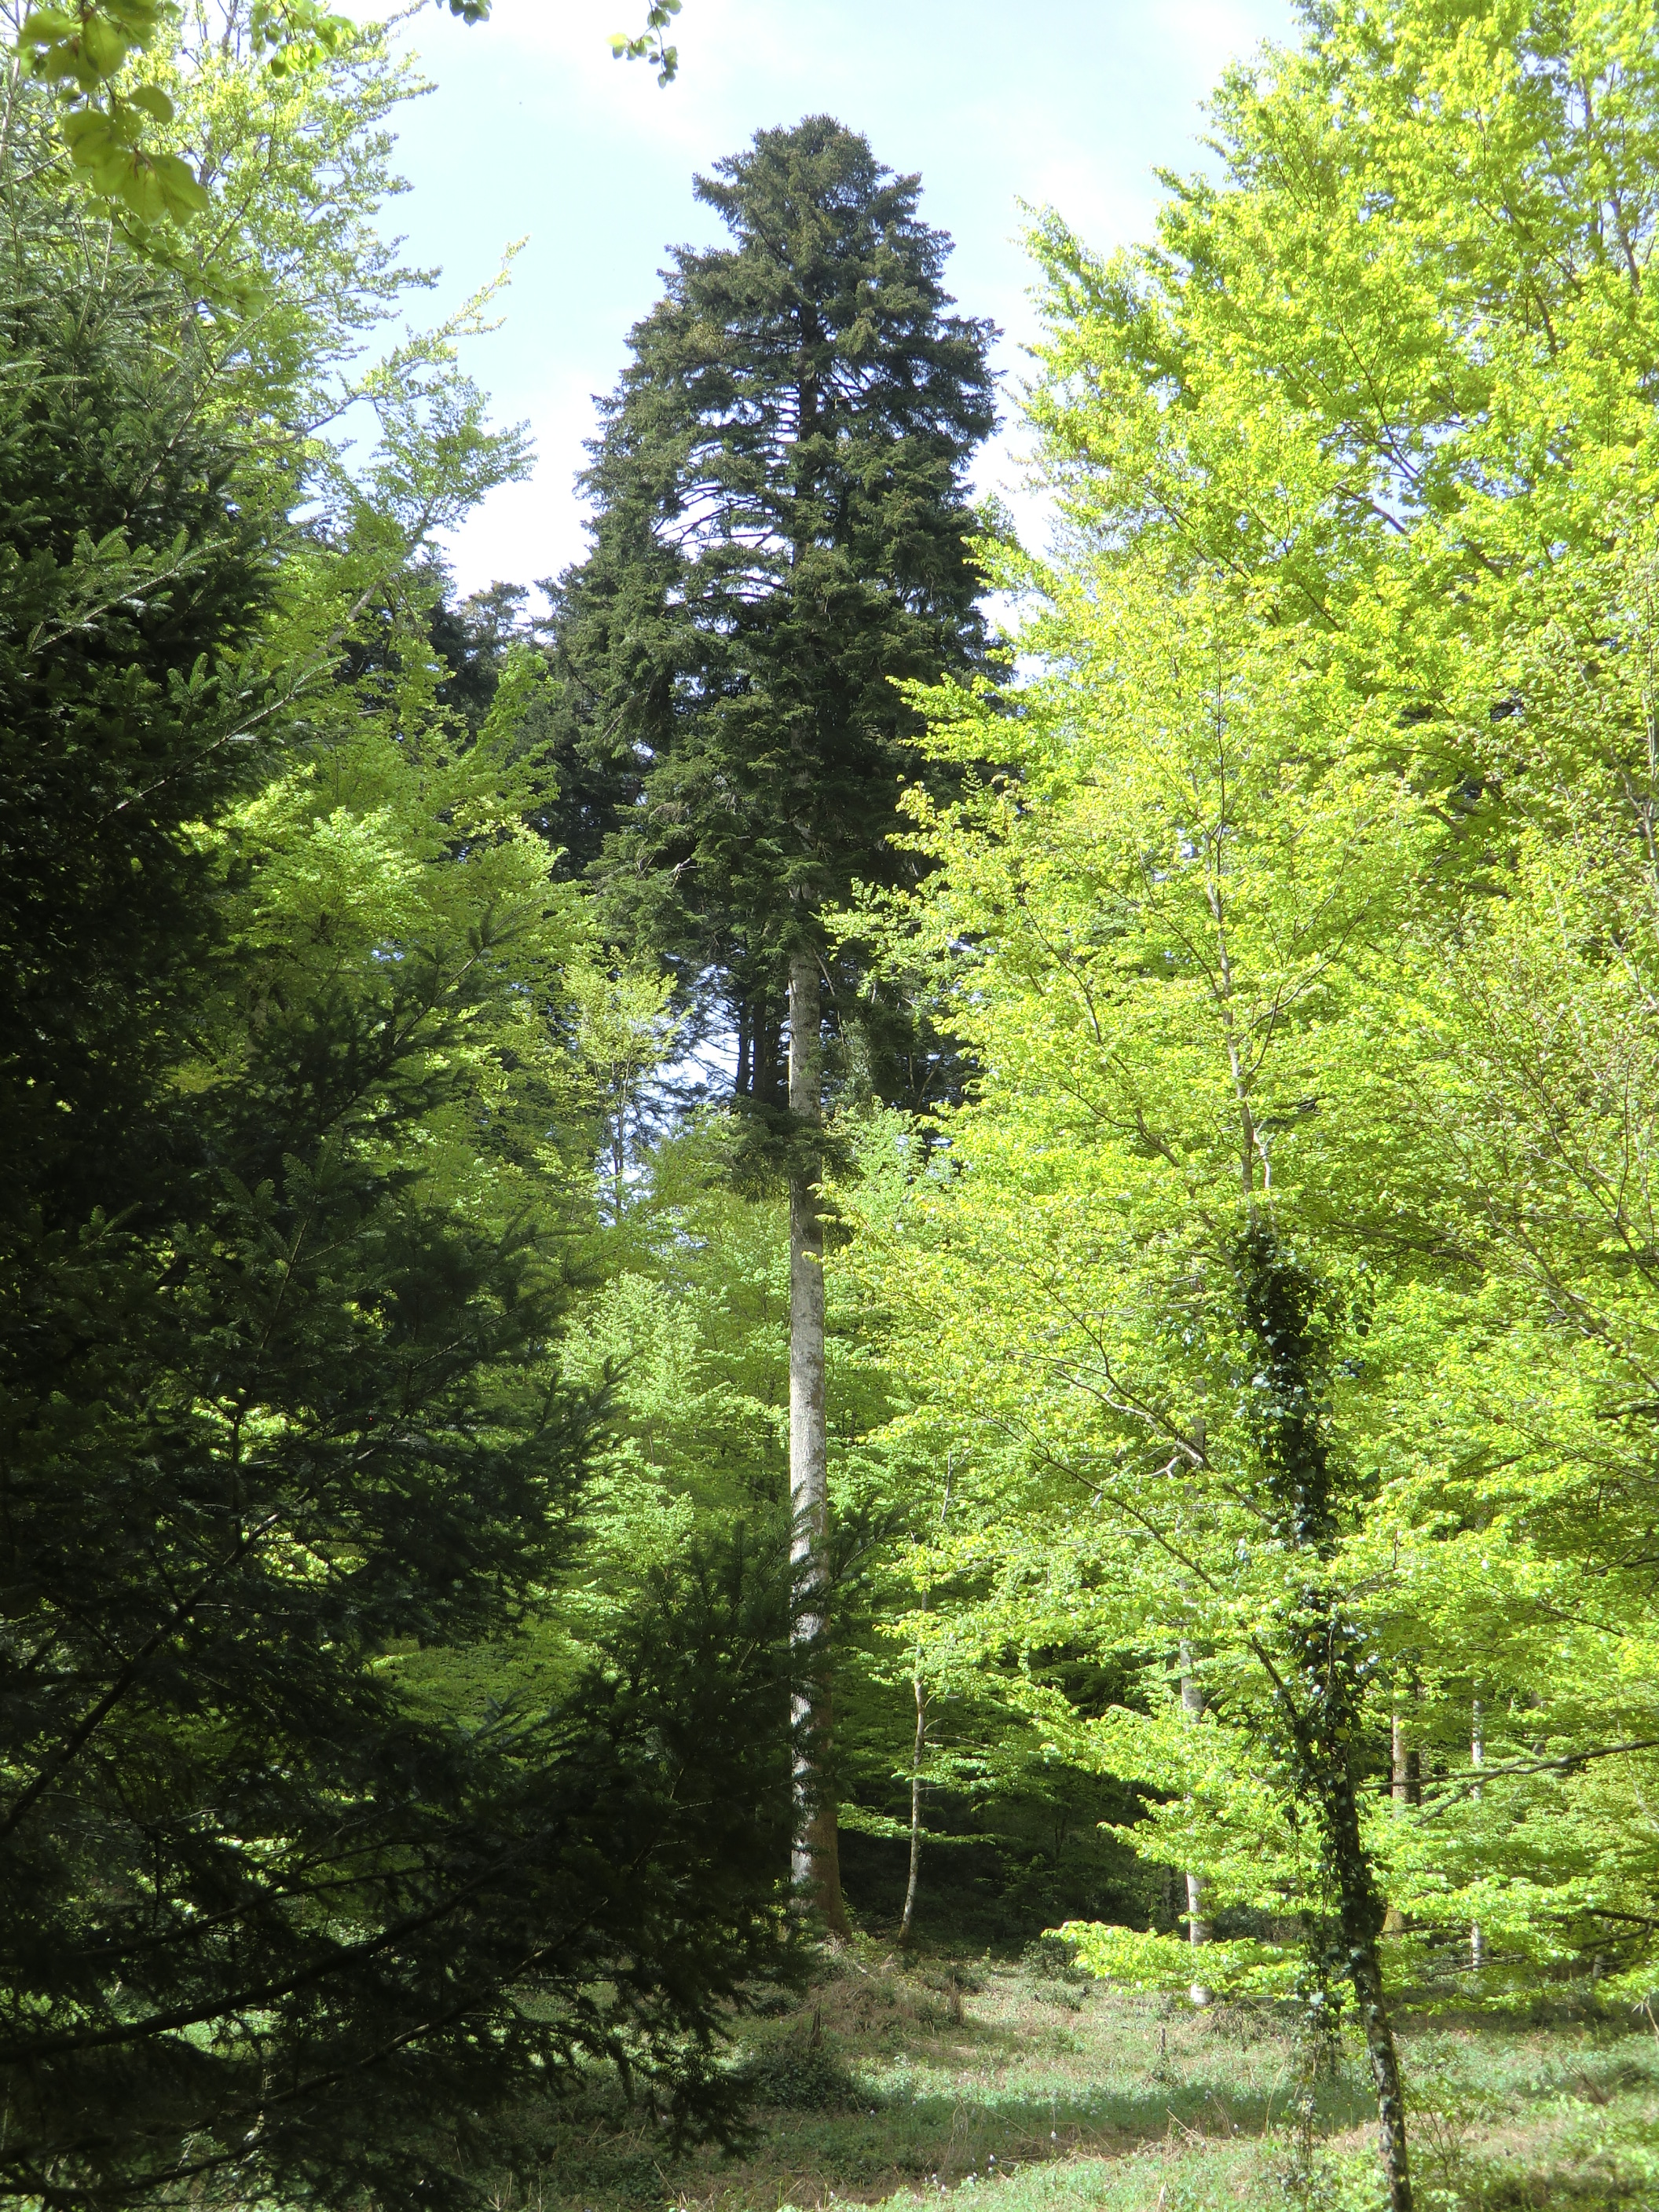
(782, 531)
(281, 1418)
(131, 580)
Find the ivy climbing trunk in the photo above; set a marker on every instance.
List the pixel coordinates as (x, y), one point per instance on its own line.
(1321, 1688)
(1359, 1919)
(816, 1862)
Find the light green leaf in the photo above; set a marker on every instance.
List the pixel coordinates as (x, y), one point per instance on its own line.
(182, 193)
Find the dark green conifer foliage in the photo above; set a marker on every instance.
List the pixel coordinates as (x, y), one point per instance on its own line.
(781, 531)
(275, 1414)
(128, 579)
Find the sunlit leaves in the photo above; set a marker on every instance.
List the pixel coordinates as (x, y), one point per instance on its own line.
(1322, 875)
(109, 127)
(105, 142)
(649, 44)
(84, 52)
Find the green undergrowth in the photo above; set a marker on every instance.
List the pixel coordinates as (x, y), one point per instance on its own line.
(1025, 2089)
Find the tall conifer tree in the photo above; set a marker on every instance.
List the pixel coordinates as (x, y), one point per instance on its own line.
(782, 529)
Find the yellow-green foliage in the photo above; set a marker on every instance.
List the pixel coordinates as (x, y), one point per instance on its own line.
(1317, 881)
(395, 843)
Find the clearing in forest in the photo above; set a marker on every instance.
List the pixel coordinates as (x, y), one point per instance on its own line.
(1024, 2088)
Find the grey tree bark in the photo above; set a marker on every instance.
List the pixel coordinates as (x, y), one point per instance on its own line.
(1477, 1759)
(924, 1704)
(1198, 1926)
(817, 1858)
(1360, 1921)
(1405, 1776)
(920, 1753)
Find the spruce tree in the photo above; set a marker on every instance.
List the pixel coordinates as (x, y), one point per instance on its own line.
(282, 1425)
(782, 531)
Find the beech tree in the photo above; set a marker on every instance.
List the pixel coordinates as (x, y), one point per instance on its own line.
(782, 531)
(1107, 1271)
(1298, 1241)
(119, 131)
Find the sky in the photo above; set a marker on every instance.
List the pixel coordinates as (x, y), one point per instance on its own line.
(532, 131)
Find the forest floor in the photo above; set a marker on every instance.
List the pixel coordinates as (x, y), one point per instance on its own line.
(1020, 2089)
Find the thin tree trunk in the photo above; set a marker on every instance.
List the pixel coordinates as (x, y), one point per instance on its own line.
(919, 1752)
(1385, 2074)
(1360, 1913)
(816, 1861)
(917, 1756)
(1198, 1927)
(1324, 1731)
(1405, 1784)
(1477, 1759)
(1406, 1762)
(763, 1054)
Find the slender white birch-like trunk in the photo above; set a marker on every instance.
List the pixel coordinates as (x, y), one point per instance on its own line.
(1198, 1927)
(1477, 1759)
(919, 1681)
(816, 1861)
(914, 1883)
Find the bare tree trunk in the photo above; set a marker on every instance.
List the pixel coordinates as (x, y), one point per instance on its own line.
(1406, 1763)
(1405, 1782)
(920, 1681)
(1477, 1759)
(1198, 1927)
(816, 1859)
(917, 1756)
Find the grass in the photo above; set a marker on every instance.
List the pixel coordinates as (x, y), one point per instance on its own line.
(1021, 2089)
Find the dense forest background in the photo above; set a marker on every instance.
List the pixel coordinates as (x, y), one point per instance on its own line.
(832, 1232)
